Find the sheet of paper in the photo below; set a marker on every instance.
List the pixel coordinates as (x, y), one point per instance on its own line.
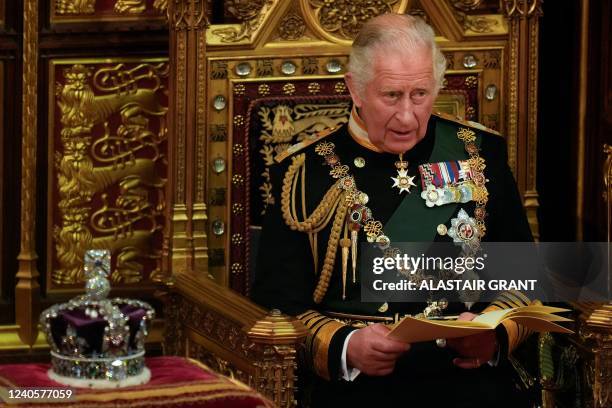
(541, 325)
(411, 330)
(493, 318)
(536, 317)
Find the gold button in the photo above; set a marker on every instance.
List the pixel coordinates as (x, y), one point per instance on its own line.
(442, 230)
(363, 198)
(359, 162)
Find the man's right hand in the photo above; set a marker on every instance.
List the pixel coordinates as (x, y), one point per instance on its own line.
(372, 353)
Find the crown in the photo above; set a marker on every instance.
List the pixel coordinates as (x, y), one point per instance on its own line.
(98, 342)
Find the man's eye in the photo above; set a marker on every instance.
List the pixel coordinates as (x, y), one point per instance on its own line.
(392, 94)
(419, 94)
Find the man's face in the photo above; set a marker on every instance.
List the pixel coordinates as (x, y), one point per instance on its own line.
(397, 102)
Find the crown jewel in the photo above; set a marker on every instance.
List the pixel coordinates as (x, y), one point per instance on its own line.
(98, 342)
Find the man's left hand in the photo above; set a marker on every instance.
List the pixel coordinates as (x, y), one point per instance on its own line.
(474, 350)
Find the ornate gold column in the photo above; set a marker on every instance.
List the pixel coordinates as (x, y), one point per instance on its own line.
(185, 240)
(594, 328)
(27, 292)
(523, 19)
(277, 338)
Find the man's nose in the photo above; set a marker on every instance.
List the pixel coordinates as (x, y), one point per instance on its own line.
(405, 113)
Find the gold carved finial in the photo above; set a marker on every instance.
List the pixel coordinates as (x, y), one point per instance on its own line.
(277, 328)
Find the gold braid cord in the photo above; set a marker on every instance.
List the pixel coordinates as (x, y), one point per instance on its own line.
(516, 333)
(332, 250)
(334, 200)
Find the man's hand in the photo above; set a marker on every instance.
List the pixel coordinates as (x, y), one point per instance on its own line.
(372, 353)
(474, 350)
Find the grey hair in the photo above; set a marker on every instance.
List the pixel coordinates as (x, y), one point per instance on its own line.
(397, 33)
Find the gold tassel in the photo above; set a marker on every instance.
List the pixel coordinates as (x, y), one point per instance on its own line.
(332, 249)
(354, 238)
(345, 243)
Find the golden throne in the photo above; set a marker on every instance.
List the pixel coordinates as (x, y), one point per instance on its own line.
(241, 93)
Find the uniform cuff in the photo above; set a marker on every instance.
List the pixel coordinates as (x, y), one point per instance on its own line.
(347, 373)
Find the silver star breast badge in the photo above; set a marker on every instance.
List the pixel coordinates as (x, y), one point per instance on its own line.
(403, 181)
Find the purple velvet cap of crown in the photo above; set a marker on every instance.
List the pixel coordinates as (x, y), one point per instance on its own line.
(92, 329)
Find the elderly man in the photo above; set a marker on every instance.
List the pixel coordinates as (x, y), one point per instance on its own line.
(378, 179)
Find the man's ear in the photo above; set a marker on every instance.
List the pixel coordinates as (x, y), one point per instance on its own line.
(352, 87)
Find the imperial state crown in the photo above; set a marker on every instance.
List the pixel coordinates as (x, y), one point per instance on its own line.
(98, 342)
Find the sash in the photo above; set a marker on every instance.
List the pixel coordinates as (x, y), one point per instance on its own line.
(413, 221)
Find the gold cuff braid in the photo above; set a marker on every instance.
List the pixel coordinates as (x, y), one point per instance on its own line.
(321, 330)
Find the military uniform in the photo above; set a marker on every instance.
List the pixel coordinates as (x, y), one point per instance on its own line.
(295, 258)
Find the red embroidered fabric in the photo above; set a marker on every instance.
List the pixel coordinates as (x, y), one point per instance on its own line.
(175, 382)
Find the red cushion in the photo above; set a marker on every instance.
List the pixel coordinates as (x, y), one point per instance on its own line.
(175, 382)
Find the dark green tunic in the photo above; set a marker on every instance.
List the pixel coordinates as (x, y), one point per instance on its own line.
(285, 279)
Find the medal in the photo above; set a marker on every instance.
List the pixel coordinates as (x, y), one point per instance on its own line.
(431, 195)
(403, 181)
(464, 231)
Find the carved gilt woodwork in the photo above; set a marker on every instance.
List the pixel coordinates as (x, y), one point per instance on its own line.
(234, 336)
(185, 244)
(340, 20)
(523, 17)
(107, 159)
(250, 13)
(584, 370)
(594, 341)
(74, 11)
(27, 291)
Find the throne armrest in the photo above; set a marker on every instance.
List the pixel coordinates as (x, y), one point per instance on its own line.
(233, 335)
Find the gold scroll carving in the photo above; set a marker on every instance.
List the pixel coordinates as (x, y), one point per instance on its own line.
(110, 169)
(99, 9)
(130, 6)
(465, 5)
(161, 5)
(344, 18)
(477, 24)
(75, 6)
(251, 13)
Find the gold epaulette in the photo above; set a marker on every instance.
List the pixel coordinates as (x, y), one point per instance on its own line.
(467, 123)
(305, 143)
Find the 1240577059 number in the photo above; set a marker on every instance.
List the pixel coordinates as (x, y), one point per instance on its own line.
(35, 394)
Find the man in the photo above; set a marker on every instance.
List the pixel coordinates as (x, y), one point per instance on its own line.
(373, 180)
